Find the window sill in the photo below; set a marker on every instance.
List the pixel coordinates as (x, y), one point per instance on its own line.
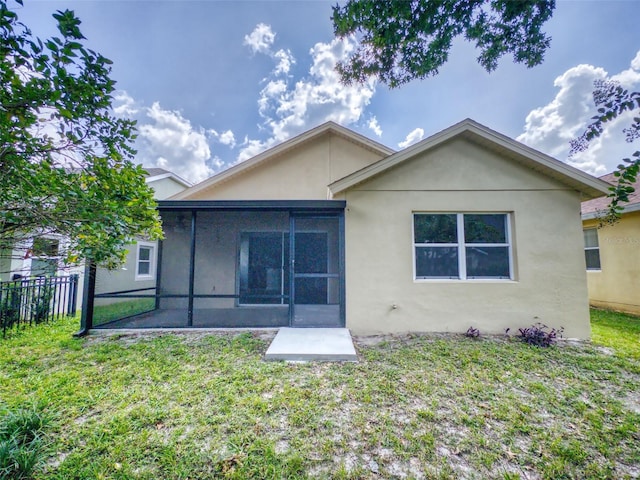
(469, 280)
(144, 278)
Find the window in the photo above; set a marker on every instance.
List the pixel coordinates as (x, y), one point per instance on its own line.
(45, 255)
(591, 249)
(264, 273)
(462, 246)
(145, 262)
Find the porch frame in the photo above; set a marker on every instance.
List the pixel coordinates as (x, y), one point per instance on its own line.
(320, 208)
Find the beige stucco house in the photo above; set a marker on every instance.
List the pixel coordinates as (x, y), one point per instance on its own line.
(612, 253)
(465, 228)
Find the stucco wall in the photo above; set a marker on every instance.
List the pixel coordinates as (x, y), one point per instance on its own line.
(165, 188)
(300, 174)
(549, 283)
(617, 285)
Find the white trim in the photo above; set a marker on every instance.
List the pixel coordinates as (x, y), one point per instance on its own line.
(152, 261)
(462, 246)
(173, 176)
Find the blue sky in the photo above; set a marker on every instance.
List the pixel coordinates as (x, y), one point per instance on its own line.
(212, 83)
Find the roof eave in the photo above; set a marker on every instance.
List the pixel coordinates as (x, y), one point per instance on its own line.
(634, 207)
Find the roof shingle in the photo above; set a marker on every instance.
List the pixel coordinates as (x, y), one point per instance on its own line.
(602, 203)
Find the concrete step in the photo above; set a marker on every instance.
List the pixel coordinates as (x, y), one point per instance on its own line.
(312, 344)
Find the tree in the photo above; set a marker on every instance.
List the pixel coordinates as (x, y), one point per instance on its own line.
(403, 40)
(66, 160)
(400, 41)
(612, 101)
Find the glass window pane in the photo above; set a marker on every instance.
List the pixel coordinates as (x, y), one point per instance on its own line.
(45, 247)
(437, 262)
(591, 237)
(484, 228)
(144, 253)
(435, 228)
(143, 268)
(487, 262)
(593, 259)
(263, 260)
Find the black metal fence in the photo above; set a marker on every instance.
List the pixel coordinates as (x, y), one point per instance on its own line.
(37, 300)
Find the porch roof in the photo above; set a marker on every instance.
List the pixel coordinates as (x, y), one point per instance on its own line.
(281, 205)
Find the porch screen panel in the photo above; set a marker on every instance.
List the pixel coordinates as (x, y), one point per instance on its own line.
(122, 294)
(263, 259)
(317, 261)
(175, 263)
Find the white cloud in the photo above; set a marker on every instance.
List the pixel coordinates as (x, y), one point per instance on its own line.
(414, 136)
(124, 105)
(635, 63)
(374, 126)
(261, 39)
(285, 60)
(319, 97)
(171, 142)
(225, 138)
(551, 127)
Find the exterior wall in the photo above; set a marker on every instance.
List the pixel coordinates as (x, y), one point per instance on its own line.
(108, 281)
(165, 188)
(617, 285)
(300, 174)
(549, 283)
(217, 237)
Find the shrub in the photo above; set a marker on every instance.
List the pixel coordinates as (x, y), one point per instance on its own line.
(539, 335)
(472, 333)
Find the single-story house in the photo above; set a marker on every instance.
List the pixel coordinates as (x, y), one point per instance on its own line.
(329, 229)
(612, 253)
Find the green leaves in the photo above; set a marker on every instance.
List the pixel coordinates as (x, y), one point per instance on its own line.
(613, 100)
(401, 41)
(67, 162)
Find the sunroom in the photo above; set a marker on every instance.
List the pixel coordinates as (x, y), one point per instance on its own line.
(228, 264)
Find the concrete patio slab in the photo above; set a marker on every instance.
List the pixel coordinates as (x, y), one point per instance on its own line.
(312, 344)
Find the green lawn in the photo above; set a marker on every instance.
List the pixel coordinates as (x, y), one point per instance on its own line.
(121, 309)
(194, 406)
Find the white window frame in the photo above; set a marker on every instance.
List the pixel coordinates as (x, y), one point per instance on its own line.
(152, 261)
(461, 246)
(599, 269)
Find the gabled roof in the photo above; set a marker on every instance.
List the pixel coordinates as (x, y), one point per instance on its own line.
(154, 174)
(588, 186)
(286, 146)
(591, 208)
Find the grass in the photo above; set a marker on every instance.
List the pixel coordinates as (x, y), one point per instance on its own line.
(194, 406)
(121, 309)
(21, 446)
(618, 331)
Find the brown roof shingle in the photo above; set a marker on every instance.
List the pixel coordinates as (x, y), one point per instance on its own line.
(602, 203)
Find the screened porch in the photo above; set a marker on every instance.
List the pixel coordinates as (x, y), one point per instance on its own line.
(228, 264)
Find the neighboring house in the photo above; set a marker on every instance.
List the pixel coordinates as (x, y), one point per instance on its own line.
(612, 253)
(137, 271)
(41, 255)
(465, 228)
